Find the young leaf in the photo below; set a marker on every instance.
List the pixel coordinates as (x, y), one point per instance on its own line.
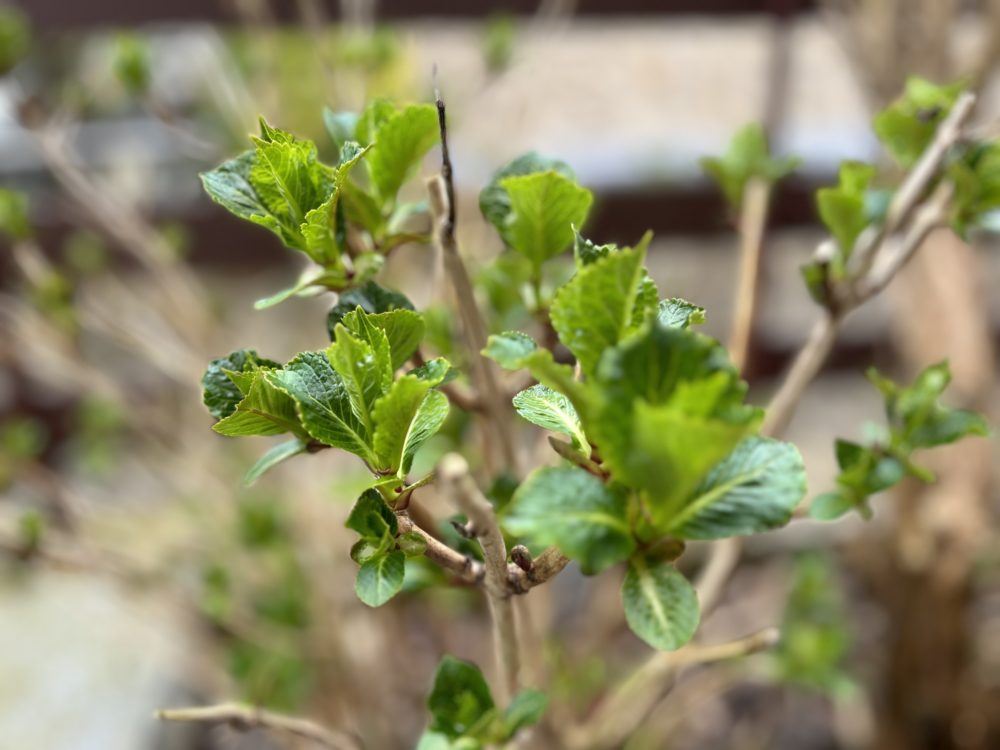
(661, 606)
(401, 141)
(276, 455)
(586, 252)
(324, 405)
(842, 209)
(340, 126)
(265, 410)
(592, 311)
(907, 126)
(746, 157)
(567, 507)
(371, 298)
(380, 578)
(551, 410)
(371, 517)
(679, 313)
(525, 709)
(545, 207)
(494, 201)
(404, 330)
(220, 394)
(460, 699)
(435, 372)
(364, 368)
(514, 350)
(753, 489)
(405, 418)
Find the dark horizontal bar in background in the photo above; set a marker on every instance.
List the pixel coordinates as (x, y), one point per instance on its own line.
(80, 14)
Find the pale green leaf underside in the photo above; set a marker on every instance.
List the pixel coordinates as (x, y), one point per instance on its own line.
(661, 606)
(551, 410)
(276, 455)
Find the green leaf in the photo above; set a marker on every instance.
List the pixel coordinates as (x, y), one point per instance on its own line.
(371, 517)
(753, 489)
(371, 298)
(907, 126)
(314, 281)
(525, 709)
(404, 330)
(340, 126)
(746, 157)
(842, 208)
(586, 252)
(380, 578)
(412, 544)
(435, 372)
(460, 698)
(494, 201)
(545, 207)
(265, 410)
(130, 63)
(514, 350)
(661, 606)
(401, 141)
(14, 215)
(324, 405)
(323, 228)
(220, 392)
(573, 510)
(15, 38)
(679, 313)
(408, 415)
(592, 311)
(916, 417)
(375, 115)
(551, 410)
(276, 455)
(365, 370)
(830, 506)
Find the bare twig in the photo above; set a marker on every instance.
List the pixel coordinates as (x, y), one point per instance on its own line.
(453, 473)
(464, 568)
(753, 216)
(617, 717)
(441, 191)
(243, 718)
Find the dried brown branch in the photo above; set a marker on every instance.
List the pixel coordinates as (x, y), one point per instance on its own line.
(456, 482)
(244, 718)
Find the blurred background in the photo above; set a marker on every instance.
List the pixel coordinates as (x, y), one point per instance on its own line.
(137, 571)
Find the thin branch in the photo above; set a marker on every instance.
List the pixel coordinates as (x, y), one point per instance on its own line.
(453, 473)
(244, 718)
(441, 191)
(534, 572)
(631, 702)
(753, 220)
(464, 568)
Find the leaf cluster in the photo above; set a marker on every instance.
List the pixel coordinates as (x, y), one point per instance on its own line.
(916, 420)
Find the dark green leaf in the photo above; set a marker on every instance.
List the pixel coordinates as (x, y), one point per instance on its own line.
(460, 698)
(220, 393)
(371, 517)
(753, 489)
(371, 298)
(573, 510)
(324, 405)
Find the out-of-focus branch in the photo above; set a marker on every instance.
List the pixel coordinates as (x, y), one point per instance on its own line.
(244, 718)
(453, 474)
(630, 703)
(753, 219)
